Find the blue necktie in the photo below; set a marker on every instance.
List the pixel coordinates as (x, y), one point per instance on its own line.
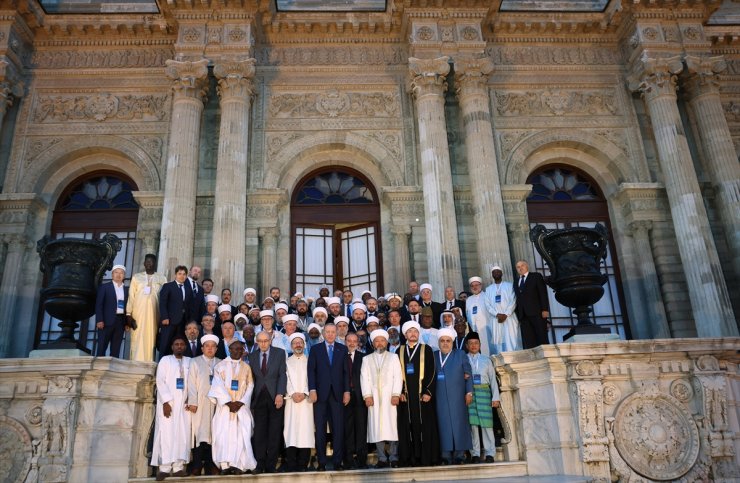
(331, 354)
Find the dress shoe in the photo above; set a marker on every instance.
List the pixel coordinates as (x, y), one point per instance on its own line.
(161, 475)
(180, 474)
(339, 467)
(475, 459)
(258, 470)
(489, 459)
(459, 461)
(196, 471)
(394, 464)
(321, 468)
(213, 470)
(444, 462)
(382, 464)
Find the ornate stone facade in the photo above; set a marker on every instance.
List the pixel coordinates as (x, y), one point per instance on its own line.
(217, 111)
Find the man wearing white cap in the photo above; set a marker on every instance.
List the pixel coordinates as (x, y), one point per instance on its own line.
(478, 315)
(201, 406)
(313, 336)
(281, 310)
(277, 339)
(454, 392)
(501, 305)
(298, 429)
(358, 317)
(250, 298)
(142, 310)
(232, 387)
(320, 315)
(110, 312)
(342, 324)
(426, 301)
(418, 440)
(290, 327)
(382, 383)
(334, 305)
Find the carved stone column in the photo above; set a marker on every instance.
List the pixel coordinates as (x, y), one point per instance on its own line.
(428, 84)
(10, 87)
(710, 302)
(488, 206)
(401, 235)
(268, 243)
(658, 322)
(517, 221)
(149, 224)
(18, 244)
(178, 217)
(228, 252)
(724, 171)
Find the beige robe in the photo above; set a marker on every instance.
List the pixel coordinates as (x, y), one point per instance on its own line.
(199, 384)
(232, 432)
(144, 308)
(381, 378)
(298, 429)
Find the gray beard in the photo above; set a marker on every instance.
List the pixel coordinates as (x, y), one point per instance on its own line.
(380, 350)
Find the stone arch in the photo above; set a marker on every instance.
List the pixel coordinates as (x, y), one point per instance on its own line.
(307, 153)
(594, 154)
(55, 168)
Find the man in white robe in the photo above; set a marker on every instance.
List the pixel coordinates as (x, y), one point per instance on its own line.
(382, 382)
(500, 302)
(298, 429)
(202, 407)
(478, 315)
(232, 422)
(142, 310)
(171, 448)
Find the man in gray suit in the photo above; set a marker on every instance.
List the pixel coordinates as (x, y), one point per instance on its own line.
(270, 381)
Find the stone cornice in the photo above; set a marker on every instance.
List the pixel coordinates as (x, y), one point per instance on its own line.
(149, 199)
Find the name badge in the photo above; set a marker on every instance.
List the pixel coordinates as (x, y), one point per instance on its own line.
(475, 309)
(210, 379)
(410, 369)
(476, 378)
(147, 290)
(235, 384)
(120, 304)
(180, 383)
(440, 376)
(498, 299)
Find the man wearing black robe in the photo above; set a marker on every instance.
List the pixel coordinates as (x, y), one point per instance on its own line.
(418, 438)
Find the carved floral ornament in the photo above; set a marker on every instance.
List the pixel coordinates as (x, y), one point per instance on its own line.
(557, 102)
(334, 103)
(100, 107)
(15, 450)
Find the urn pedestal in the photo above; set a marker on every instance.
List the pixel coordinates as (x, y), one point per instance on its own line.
(74, 268)
(574, 257)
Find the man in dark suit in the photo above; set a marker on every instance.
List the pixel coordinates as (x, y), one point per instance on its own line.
(110, 313)
(426, 301)
(192, 333)
(532, 306)
(451, 301)
(198, 294)
(175, 300)
(355, 413)
(328, 384)
(270, 383)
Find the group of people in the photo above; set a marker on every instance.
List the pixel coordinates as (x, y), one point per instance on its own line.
(240, 387)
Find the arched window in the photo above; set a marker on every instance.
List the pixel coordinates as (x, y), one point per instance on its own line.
(90, 207)
(564, 197)
(335, 218)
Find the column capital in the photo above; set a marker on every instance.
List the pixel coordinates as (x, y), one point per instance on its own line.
(520, 228)
(428, 76)
(655, 77)
(401, 230)
(640, 227)
(268, 232)
(235, 78)
(471, 73)
(703, 74)
(189, 78)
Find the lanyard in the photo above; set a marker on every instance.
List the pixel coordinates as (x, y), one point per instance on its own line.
(211, 364)
(477, 360)
(459, 343)
(411, 356)
(443, 362)
(182, 372)
(380, 364)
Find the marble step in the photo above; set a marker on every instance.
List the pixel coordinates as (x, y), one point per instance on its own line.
(473, 472)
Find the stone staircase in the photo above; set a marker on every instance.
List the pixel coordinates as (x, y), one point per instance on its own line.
(497, 472)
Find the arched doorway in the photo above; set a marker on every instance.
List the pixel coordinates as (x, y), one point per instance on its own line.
(564, 197)
(91, 206)
(335, 221)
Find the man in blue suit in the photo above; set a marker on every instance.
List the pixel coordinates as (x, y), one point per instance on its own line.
(110, 312)
(174, 309)
(328, 385)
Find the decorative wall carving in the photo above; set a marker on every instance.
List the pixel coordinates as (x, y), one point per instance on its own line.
(612, 394)
(732, 110)
(276, 141)
(101, 107)
(390, 140)
(559, 102)
(551, 55)
(681, 390)
(425, 33)
(100, 58)
(655, 436)
(340, 55)
(334, 103)
(15, 450)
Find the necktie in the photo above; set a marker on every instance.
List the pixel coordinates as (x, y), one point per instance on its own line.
(351, 383)
(195, 287)
(521, 282)
(263, 369)
(331, 354)
(192, 346)
(182, 289)
(449, 305)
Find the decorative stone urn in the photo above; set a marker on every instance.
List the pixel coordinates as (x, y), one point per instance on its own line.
(74, 268)
(574, 256)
